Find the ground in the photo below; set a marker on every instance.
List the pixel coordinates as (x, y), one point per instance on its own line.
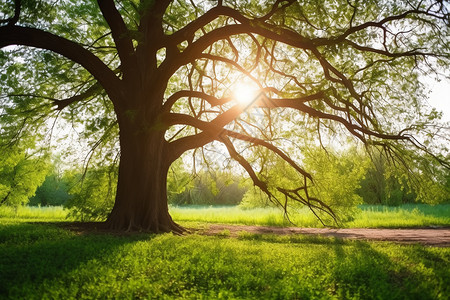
(427, 236)
(439, 237)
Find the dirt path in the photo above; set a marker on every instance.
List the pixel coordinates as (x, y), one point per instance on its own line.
(429, 236)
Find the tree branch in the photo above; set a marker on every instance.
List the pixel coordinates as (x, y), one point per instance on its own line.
(17, 35)
(213, 101)
(120, 34)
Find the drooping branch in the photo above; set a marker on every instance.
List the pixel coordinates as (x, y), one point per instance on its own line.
(293, 194)
(353, 128)
(17, 35)
(218, 132)
(245, 164)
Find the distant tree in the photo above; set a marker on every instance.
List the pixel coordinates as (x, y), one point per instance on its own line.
(167, 77)
(54, 191)
(386, 184)
(210, 188)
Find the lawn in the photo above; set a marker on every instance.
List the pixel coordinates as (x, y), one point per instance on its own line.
(45, 260)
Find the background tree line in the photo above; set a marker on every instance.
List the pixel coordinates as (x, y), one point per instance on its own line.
(344, 179)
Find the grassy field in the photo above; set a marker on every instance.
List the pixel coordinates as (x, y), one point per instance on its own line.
(418, 215)
(43, 260)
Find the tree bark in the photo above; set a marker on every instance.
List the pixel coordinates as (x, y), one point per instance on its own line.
(141, 199)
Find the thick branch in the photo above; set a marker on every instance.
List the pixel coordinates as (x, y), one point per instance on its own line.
(215, 128)
(213, 101)
(17, 35)
(120, 34)
(61, 104)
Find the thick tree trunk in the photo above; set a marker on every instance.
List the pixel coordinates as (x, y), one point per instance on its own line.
(141, 200)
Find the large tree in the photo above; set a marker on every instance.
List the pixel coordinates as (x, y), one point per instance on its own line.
(173, 73)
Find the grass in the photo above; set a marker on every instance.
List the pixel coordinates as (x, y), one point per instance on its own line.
(418, 215)
(46, 261)
(405, 216)
(42, 214)
(408, 215)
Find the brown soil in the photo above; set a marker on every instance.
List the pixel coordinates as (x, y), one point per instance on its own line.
(439, 237)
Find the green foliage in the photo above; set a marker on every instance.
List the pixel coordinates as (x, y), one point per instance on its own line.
(92, 198)
(209, 189)
(389, 184)
(54, 191)
(47, 261)
(336, 178)
(20, 175)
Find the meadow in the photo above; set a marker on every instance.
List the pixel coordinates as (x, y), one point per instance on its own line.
(367, 216)
(42, 259)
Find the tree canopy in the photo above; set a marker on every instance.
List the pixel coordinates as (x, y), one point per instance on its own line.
(152, 80)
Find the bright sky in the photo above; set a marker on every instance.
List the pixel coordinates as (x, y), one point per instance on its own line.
(440, 97)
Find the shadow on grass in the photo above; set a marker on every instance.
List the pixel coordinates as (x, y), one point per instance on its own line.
(34, 252)
(371, 270)
(365, 271)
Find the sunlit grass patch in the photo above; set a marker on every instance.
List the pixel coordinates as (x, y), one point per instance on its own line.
(407, 215)
(238, 215)
(419, 215)
(50, 213)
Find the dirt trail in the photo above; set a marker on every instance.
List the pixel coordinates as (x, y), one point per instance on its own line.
(427, 236)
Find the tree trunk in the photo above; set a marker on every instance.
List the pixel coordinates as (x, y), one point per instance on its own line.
(141, 199)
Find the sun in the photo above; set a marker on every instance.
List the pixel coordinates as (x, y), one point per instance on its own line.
(245, 93)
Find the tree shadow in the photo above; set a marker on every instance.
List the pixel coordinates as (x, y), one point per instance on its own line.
(32, 253)
(367, 273)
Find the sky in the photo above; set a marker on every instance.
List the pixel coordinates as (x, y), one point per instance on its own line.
(440, 97)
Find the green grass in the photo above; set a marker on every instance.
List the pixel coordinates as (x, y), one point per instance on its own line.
(43, 214)
(46, 261)
(418, 215)
(405, 216)
(408, 215)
